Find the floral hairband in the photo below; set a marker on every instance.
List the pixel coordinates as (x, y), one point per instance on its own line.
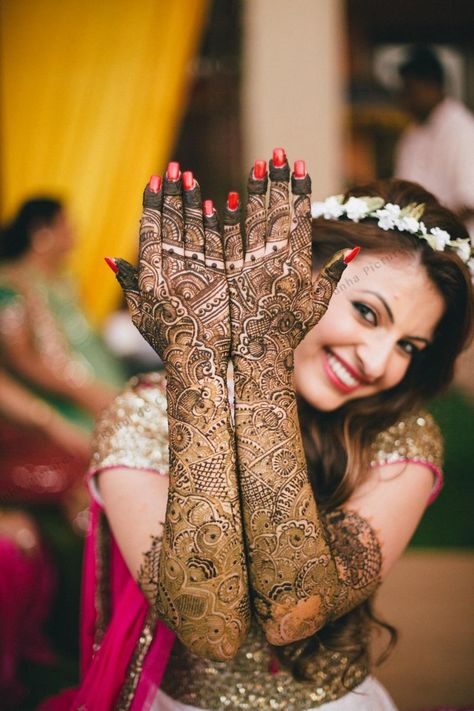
(391, 217)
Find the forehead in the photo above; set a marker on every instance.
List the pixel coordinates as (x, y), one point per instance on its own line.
(403, 283)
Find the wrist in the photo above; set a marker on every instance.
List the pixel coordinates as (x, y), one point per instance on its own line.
(257, 380)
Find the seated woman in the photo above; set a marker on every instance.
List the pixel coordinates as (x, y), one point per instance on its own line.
(266, 569)
(58, 376)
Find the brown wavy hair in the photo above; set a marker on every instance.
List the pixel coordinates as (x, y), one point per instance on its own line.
(338, 443)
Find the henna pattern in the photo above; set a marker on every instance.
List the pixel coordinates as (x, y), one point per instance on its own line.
(301, 574)
(179, 301)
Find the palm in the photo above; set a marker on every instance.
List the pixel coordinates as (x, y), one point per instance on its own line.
(273, 302)
(180, 301)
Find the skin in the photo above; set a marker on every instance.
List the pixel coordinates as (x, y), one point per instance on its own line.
(358, 329)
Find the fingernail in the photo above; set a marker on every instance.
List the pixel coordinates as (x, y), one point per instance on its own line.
(299, 169)
(155, 183)
(259, 169)
(352, 255)
(172, 172)
(208, 207)
(188, 180)
(279, 157)
(111, 263)
(233, 201)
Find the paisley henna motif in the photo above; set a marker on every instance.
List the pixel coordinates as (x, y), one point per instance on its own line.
(179, 301)
(302, 575)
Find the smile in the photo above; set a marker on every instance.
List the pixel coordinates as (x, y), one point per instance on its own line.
(338, 373)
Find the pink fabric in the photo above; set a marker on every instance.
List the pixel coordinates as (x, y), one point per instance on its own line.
(103, 672)
(26, 588)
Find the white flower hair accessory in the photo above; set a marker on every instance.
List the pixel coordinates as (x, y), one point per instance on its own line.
(393, 217)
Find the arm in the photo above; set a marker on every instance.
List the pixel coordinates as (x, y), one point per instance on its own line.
(25, 360)
(26, 410)
(297, 578)
(179, 302)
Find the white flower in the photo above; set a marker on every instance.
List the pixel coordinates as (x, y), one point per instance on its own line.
(356, 209)
(441, 238)
(470, 266)
(422, 227)
(330, 209)
(462, 247)
(408, 224)
(393, 210)
(388, 216)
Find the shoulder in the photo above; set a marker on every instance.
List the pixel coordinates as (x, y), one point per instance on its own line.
(414, 438)
(133, 430)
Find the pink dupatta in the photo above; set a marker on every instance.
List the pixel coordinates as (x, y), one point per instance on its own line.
(104, 671)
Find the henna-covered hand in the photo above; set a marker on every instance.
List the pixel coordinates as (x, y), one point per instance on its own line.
(179, 301)
(295, 575)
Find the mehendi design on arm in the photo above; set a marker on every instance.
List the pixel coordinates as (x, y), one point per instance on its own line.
(299, 575)
(179, 302)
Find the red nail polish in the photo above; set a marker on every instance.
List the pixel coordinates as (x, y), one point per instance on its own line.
(259, 169)
(155, 183)
(188, 180)
(172, 172)
(352, 255)
(279, 157)
(299, 169)
(208, 207)
(233, 201)
(111, 264)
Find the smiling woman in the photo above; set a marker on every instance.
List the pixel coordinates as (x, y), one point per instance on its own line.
(372, 330)
(263, 550)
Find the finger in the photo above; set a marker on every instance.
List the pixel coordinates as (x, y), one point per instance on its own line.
(255, 219)
(149, 260)
(173, 220)
(193, 220)
(127, 277)
(214, 247)
(279, 204)
(233, 247)
(301, 189)
(328, 279)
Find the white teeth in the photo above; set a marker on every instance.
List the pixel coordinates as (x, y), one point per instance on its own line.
(341, 372)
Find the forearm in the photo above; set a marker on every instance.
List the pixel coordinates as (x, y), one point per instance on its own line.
(297, 568)
(201, 589)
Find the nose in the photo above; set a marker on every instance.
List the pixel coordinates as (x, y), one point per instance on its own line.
(374, 356)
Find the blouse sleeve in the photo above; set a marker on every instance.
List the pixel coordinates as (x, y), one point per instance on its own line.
(414, 438)
(133, 431)
(12, 310)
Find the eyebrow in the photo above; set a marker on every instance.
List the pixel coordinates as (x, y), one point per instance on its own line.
(391, 317)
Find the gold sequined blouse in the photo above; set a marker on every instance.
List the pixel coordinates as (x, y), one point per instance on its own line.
(133, 433)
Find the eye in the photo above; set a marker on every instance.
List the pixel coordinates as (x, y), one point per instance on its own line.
(366, 312)
(409, 348)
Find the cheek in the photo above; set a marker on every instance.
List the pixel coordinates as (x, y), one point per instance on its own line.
(395, 371)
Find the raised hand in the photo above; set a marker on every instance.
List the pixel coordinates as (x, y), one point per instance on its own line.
(196, 578)
(273, 300)
(296, 578)
(178, 299)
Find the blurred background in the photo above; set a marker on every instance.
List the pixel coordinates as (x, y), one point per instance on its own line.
(95, 97)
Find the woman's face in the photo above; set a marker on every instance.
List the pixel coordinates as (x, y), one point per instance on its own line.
(55, 241)
(384, 310)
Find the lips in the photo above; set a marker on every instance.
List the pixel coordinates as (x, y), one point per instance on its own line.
(341, 375)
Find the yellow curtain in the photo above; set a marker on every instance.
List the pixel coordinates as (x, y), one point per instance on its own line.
(91, 98)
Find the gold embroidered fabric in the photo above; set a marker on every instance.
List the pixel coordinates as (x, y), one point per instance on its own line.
(133, 431)
(415, 437)
(247, 682)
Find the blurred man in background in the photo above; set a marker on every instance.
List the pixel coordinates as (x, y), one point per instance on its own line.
(437, 149)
